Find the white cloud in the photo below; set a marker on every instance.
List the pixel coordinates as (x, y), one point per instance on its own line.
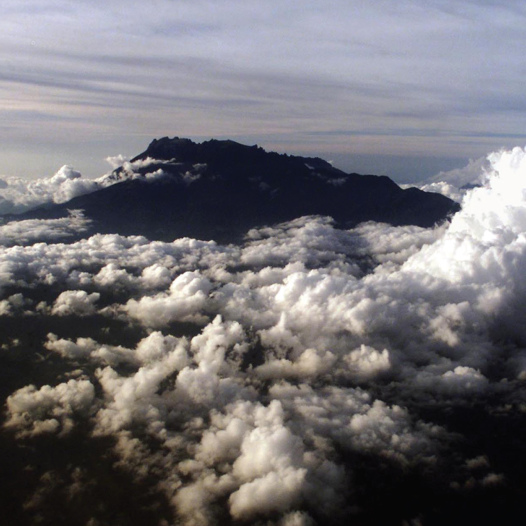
(305, 346)
(474, 173)
(186, 299)
(43, 230)
(270, 493)
(75, 302)
(367, 362)
(18, 195)
(33, 411)
(456, 183)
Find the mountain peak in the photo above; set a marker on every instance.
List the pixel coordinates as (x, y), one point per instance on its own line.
(185, 150)
(224, 151)
(219, 189)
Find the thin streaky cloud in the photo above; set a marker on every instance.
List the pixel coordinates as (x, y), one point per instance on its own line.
(252, 69)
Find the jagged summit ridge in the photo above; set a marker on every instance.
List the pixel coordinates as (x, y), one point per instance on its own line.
(219, 189)
(186, 150)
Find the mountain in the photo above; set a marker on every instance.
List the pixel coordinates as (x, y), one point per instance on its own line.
(220, 189)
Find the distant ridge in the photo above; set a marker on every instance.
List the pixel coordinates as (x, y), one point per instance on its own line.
(219, 189)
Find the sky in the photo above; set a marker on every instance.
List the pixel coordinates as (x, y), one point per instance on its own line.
(404, 88)
(306, 375)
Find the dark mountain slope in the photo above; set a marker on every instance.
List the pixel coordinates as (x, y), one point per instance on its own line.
(220, 189)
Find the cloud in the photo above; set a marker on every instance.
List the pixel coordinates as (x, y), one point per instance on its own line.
(116, 161)
(33, 411)
(33, 231)
(75, 302)
(18, 195)
(132, 81)
(270, 493)
(291, 377)
(125, 169)
(475, 172)
(12, 305)
(75, 263)
(367, 361)
(186, 299)
(441, 187)
(456, 183)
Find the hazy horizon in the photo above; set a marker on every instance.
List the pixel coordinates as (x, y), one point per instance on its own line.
(402, 169)
(427, 85)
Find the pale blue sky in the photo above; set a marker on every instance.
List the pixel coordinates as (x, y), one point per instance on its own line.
(412, 86)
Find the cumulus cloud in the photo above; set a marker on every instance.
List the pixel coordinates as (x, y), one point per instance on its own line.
(485, 242)
(33, 411)
(33, 231)
(19, 195)
(309, 363)
(12, 305)
(108, 257)
(367, 362)
(474, 173)
(456, 183)
(75, 302)
(116, 161)
(255, 379)
(185, 301)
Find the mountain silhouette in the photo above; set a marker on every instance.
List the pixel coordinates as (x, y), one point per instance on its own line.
(220, 189)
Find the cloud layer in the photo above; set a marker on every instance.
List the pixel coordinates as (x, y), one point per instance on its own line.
(283, 379)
